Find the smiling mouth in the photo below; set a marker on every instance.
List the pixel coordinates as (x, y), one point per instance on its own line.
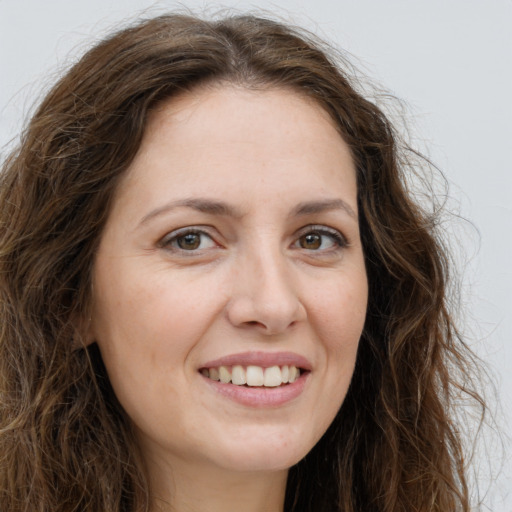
(254, 376)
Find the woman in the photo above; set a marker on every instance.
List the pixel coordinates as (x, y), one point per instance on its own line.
(216, 290)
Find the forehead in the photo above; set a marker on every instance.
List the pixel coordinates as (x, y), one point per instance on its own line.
(223, 139)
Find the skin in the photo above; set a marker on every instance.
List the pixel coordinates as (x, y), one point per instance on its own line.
(255, 282)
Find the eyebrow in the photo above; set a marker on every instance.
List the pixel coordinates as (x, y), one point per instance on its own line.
(214, 207)
(200, 204)
(311, 207)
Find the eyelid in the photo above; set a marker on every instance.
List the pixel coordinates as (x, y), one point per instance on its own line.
(336, 234)
(165, 241)
(340, 241)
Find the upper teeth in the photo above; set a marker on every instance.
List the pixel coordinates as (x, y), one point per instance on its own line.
(253, 375)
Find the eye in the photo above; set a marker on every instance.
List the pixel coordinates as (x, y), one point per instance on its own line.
(320, 238)
(188, 240)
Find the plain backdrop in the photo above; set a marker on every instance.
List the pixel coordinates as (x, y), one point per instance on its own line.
(449, 60)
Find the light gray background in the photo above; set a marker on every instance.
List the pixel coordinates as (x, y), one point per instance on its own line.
(450, 60)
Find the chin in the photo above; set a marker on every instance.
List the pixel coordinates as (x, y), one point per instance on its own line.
(262, 462)
(275, 451)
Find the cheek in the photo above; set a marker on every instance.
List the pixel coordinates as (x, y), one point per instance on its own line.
(338, 320)
(339, 311)
(147, 320)
(148, 307)
(147, 330)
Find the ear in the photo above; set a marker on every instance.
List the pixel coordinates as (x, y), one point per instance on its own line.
(82, 319)
(83, 332)
(88, 333)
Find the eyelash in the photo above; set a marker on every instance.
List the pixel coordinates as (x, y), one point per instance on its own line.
(171, 240)
(339, 240)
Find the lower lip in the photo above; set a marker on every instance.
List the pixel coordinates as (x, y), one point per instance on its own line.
(260, 396)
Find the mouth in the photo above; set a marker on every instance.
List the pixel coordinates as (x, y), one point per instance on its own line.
(258, 379)
(254, 376)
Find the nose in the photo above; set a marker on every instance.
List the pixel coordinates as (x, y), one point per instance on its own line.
(264, 295)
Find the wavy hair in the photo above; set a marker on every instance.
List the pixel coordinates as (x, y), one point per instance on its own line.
(65, 443)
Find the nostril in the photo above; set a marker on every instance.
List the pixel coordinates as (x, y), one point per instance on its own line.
(258, 311)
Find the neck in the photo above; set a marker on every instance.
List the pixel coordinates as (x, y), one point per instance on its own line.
(190, 487)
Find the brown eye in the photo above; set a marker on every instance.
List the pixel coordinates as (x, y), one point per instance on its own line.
(320, 239)
(311, 241)
(189, 242)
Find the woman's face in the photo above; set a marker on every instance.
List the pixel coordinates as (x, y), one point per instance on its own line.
(232, 251)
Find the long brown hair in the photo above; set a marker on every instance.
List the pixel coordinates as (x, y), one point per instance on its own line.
(65, 443)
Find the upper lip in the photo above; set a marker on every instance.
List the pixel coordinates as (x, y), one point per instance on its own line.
(263, 359)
